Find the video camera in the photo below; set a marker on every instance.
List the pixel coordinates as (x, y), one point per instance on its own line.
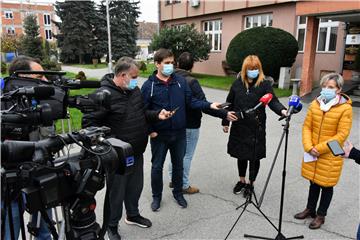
(28, 103)
(70, 181)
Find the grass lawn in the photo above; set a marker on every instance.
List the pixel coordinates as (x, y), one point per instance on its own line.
(75, 114)
(89, 66)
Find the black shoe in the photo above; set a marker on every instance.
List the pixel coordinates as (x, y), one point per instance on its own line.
(113, 233)
(248, 190)
(139, 221)
(181, 200)
(239, 187)
(155, 205)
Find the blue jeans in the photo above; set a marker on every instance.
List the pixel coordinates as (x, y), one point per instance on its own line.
(192, 137)
(44, 233)
(160, 145)
(358, 233)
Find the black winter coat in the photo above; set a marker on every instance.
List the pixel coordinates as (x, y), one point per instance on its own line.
(247, 136)
(193, 116)
(127, 117)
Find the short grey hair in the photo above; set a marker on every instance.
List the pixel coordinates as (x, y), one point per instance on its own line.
(333, 76)
(124, 64)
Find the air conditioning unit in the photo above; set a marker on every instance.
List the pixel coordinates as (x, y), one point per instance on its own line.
(195, 3)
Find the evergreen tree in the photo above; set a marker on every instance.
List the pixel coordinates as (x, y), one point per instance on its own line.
(31, 42)
(76, 39)
(123, 15)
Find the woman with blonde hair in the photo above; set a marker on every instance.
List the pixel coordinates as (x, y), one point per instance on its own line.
(329, 117)
(247, 135)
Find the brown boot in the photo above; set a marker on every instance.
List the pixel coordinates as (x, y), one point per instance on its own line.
(317, 222)
(305, 214)
(191, 190)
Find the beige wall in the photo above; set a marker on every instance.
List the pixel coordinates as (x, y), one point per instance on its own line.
(233, 23)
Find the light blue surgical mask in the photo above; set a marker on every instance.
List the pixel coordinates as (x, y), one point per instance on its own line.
(328, 94)
(252, 73)
(132, 84)
(168, 69)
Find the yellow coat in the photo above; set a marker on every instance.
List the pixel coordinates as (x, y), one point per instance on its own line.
(318, 129)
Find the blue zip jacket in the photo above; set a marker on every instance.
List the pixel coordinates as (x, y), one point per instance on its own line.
(159, 95)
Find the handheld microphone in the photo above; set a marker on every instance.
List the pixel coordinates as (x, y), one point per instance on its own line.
(264, 100)
(295, 106)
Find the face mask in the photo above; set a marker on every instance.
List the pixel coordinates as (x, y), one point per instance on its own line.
(132, 84)
(328, 94)
(168, 69)
(252, 73)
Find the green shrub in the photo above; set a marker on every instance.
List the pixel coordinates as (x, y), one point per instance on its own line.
(275, 47)
(50, 65)
(142, 66)
(3, 68)
(81, 76)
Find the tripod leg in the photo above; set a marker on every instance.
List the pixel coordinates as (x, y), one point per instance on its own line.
(52, 229)
(232, 228)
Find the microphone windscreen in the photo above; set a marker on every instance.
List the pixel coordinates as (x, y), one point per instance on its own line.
(266, 99)
(43, 92)
(298, 108)
(294, 101)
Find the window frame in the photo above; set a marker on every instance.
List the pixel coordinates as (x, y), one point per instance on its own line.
(258, 16)
(45, 16)
(301, 26)
(213, 32)
(48, 34)
(9, 13)
(7, 28)
(328, 25)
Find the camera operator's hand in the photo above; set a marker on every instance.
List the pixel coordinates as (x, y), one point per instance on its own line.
(347, 149)
(225, 129)
(153, 135)
(215, 105)
(163, 115)
(231, 116)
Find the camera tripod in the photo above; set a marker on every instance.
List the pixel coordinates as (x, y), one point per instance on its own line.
(257, 204)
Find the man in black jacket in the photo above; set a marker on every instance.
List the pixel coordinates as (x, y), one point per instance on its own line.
(193, 119)
(128, 122)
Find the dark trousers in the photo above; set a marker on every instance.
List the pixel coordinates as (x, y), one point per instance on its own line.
(160, 145)
(253, 171)
(126, 189)
(326, 196)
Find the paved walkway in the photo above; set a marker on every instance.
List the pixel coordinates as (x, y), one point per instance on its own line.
(211, 213)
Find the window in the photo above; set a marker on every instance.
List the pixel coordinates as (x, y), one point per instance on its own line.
(48, 34)
(47, 19)
(213, 30)
(9, 15)
(178, 26)
(301, 32)
(327, 36)
(168, 2)
(263, 20)
(10, 30)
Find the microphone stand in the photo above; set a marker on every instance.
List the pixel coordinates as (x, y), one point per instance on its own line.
(279, 236)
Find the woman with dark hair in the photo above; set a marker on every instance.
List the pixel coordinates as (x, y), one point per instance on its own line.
(329, 117)
(247, 135)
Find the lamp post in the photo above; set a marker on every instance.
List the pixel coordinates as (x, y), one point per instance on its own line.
(109, 35)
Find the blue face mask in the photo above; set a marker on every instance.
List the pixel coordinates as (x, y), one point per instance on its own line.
(132, 84)
(168, 69)
(328, 94)
(252, 73)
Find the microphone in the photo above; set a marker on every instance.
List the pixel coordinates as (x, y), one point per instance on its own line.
(264, 100)
(78, 84)
(295, 106)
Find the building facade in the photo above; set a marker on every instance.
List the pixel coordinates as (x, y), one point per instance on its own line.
(13, 15)
(222, 20)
